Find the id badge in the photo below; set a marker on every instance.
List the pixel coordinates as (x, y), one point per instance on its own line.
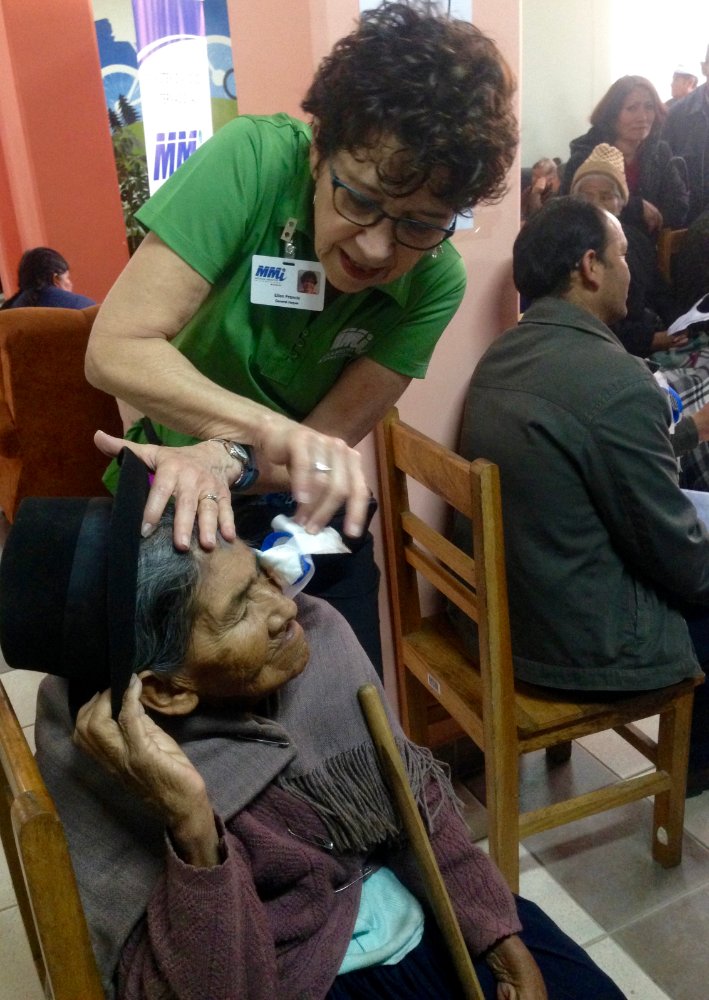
(286, 282)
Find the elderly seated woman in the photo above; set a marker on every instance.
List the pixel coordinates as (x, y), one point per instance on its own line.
(229, 827)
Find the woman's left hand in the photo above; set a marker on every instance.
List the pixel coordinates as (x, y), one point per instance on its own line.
(518, 976)
(195, 475)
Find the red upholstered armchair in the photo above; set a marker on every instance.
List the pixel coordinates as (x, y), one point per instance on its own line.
(48, 411)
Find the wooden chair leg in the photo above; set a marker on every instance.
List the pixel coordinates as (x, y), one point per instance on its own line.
(672, 756)
(413, 707)
(502, 799)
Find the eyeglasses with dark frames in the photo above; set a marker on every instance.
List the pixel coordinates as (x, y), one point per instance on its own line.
(357, 208)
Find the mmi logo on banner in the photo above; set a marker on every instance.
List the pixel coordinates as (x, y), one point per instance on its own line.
(173, 69)
(171, 152)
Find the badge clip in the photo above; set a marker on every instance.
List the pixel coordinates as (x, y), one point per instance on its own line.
(287, 237)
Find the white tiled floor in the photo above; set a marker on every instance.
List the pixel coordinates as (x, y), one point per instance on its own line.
(598, 882)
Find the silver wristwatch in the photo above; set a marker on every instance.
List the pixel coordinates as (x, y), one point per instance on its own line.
(243, 453)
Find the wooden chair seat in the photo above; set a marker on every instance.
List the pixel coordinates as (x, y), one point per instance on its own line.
(504, 717)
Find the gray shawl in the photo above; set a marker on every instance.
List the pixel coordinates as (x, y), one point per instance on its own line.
(311, 739)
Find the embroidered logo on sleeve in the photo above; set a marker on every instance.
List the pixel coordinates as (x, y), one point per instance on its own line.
(348, 343)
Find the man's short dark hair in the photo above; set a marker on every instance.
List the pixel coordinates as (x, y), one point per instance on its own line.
(438, 87)
(549, 247)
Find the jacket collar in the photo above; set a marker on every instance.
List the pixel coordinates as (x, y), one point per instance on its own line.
(552, 311)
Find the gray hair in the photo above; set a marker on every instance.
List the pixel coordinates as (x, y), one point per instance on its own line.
(166, 603)
(166, 599)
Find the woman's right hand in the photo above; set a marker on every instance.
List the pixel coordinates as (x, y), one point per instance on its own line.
(517, 974)
(153, 767)
(323, 473)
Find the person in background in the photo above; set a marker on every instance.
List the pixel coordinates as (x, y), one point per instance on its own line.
(607, 559)
(545, 183)
(230, 829)
(683, 83)
(650, 308)
(412, 123)
(687, 132)
(630, 116)
(43, 279)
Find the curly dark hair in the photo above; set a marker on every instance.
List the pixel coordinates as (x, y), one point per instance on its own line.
(605, 114)
(437, 86)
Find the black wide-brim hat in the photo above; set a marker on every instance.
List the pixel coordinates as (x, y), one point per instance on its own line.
(68, 577)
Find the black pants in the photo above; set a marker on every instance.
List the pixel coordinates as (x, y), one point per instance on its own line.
(426, 972)
(350, 583)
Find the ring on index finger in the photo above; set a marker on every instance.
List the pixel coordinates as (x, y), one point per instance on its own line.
(209, 496)
(321, 467)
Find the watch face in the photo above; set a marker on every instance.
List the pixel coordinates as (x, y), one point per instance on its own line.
(240, 453)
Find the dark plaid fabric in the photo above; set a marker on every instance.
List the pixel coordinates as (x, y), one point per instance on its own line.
(691, 382)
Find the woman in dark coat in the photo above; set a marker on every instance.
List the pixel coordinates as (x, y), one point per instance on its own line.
(630, 117)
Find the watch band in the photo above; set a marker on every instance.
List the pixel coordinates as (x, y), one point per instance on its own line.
(243, 453)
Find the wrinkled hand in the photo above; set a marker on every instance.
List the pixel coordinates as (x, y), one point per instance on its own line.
(191, 474)
(518, 976)
(663, 341)
(137, 751)
(151, 765)
(319, 493)
(652, 217)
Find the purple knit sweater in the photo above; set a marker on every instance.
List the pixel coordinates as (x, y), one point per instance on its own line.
(267, 924)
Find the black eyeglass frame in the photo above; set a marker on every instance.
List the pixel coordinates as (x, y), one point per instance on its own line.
(380, 214)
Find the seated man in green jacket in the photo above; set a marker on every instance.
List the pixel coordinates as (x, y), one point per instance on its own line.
(605, 553)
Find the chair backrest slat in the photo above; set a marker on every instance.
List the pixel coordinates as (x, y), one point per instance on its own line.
(474, 579)
(445, 582)
(432, 465)
(446, 552)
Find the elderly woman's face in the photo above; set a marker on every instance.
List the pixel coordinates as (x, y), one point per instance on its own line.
(600, 190)
(637, 116)
(245, 642)
(356, 257)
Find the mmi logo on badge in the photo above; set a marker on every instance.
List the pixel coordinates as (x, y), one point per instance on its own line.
(270, 273)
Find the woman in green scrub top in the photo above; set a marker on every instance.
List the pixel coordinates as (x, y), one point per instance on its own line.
(266, 389)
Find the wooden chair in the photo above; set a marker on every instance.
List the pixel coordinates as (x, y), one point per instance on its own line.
(503, 717)
(41, 870)
(48, 411)
(668, 243)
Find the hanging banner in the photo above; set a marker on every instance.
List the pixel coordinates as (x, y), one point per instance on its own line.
(173, 69)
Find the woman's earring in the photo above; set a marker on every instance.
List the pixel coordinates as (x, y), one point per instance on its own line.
(436, 252)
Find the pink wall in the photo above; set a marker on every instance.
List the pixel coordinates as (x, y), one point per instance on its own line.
(272, 75)
(58, 182)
